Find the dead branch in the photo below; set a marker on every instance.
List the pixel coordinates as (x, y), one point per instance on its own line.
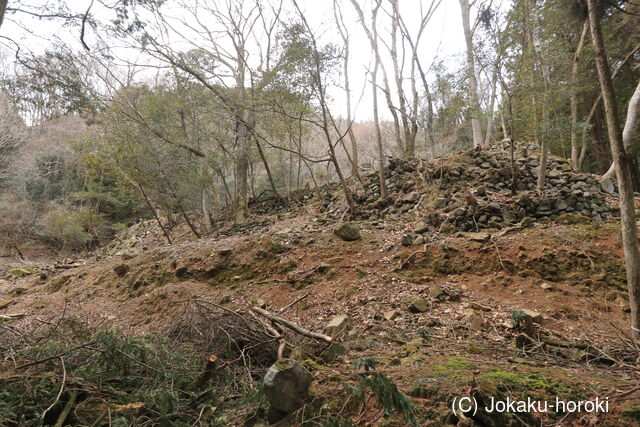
(67, 408)
(64, 380)
(292, 326)
(12, 316)
(282, 310)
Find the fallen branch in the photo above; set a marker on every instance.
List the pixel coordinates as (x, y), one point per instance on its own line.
(410, 257)
(64, 380)
(12, 316)
(296, 328)
(294, 302)
(67, 408)
(282, 344)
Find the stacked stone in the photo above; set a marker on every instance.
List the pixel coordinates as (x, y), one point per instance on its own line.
(487, 174)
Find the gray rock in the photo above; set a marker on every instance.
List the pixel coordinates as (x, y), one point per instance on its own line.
(332, 353)
(607, 186)
(411, 197)
(286, 385)
(340, 324)
(390, 315)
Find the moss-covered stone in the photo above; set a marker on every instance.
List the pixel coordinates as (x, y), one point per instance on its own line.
(347, 232)
(16, 273)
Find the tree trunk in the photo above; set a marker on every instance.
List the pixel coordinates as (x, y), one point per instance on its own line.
(242, 186)
(494, 85)
(574, 97)
(623, 172)
(376, 120)
(373, 39)
(347, 89)
(627, 133)
(471, 75)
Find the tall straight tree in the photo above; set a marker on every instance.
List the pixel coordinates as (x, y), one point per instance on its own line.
(344, 34)
(623, 170)
(474, 101)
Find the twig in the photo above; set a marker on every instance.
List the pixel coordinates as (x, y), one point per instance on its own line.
(294, 302)
(498, 252)
(64, 380)
(59, 355)
(403, 263)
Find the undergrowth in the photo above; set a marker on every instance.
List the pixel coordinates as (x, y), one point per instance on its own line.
(109, 377)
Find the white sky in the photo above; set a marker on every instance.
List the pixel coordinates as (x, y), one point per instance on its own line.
(442, 39)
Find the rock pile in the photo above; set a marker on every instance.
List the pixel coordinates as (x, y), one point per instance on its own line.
(471, 190)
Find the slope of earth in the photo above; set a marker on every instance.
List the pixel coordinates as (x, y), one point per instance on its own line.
(525, 298)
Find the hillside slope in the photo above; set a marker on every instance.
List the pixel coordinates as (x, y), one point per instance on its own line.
(507, 295)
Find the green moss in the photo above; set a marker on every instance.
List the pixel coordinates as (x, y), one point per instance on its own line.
(524, 384)
(453, 367)
(313, 366)
(18, 291)
(16, 273)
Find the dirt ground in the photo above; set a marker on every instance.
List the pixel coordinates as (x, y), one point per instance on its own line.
(571, 275)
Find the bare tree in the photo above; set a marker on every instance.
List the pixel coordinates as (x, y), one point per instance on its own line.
(476, 127)
(344, 34)
(372, 35)
(326, 120)
(574, 98)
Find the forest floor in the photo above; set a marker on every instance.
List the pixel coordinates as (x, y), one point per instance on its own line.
(463, 338)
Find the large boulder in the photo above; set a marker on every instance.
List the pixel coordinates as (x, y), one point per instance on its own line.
(347, 232)
(286, 385)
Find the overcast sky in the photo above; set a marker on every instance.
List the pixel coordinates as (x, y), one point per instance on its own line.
(443, 39)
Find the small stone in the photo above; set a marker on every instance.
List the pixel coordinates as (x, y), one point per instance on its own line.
(338, 325)
(332, 353)
(546, 287)
(297, 353)
(391, 314)
(6, 303)
(479, 236)
(477, 306)
(527, 221)
(418, 305)
(121, 269)
(407, 240)
(347, 232)
(474, 319)
(535, 316)
(436, 292)
(421, 229)
(286, 385)
(411, 197)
